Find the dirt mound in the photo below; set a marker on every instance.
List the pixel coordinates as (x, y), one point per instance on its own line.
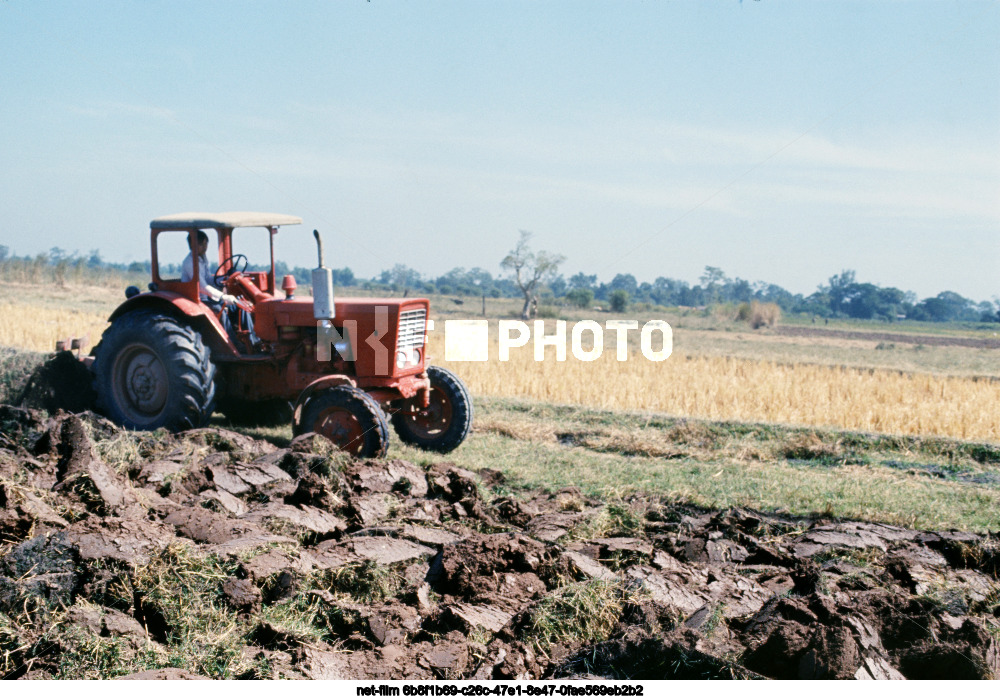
(62, 382)
(211, 554)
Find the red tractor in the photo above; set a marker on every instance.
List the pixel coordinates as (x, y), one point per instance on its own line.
(171, 357)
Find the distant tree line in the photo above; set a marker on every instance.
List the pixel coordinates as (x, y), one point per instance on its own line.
(841, 297)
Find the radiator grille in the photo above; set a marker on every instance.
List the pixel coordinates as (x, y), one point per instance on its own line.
(412, 326)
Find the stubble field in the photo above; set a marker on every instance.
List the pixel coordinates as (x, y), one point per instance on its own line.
(719, 370)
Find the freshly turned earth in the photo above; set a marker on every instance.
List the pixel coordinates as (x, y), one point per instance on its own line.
(731, 593)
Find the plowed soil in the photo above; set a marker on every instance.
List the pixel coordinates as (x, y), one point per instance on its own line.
(471, 581)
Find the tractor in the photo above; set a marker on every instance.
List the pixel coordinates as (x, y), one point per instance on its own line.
(171, 357)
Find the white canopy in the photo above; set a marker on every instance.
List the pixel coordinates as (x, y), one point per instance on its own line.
(226, 219)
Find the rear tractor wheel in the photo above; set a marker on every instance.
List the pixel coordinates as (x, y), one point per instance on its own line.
(349, 418)
(445, 423)
(154, 372)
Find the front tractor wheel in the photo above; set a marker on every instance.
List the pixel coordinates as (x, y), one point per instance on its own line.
(154, 372)
(445, 423)
(349, 418)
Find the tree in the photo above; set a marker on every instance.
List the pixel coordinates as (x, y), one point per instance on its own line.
(343, 277)
(863, 301)
(626, 283)
(739, 290)
(581, 298)
(582, 281)
(619, 300)
(670, 292)
(402, 278)
(839, 290)
(946, 306)
(558, 286)
(711, 280)
(529, 269)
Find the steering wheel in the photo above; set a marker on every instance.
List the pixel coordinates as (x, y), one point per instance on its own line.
(234, 261)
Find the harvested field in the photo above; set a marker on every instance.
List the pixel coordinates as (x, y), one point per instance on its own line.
(733, 389)
(946, 389)
(213, 554)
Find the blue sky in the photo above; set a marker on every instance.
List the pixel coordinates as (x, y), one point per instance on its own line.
(780, 141)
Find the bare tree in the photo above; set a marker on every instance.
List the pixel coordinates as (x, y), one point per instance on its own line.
(529, 269)
(404, 278)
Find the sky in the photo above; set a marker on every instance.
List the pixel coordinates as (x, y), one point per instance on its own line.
(780, 141)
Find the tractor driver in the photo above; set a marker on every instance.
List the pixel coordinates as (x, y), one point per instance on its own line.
(231, 316)
(208, 292)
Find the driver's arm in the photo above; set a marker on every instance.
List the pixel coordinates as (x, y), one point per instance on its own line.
(210, 291)
(217, 295)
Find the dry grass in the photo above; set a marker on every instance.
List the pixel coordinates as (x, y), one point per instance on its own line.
(35, 327)
(723, 388)
(698, 380)
(759, 315)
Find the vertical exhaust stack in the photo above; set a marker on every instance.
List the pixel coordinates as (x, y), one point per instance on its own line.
(322, 284)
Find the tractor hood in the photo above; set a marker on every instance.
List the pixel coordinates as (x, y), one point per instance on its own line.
(395, 323)
(299, 311)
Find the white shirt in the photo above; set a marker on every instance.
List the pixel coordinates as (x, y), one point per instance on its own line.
(205, 286)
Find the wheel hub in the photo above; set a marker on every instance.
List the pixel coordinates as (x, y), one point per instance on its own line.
(342, 429)
(430, 421)
(142, 383)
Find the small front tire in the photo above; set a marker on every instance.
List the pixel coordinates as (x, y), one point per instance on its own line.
(445, 423)
(349, 418)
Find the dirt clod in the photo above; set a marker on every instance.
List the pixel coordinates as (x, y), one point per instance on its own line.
(291, 562)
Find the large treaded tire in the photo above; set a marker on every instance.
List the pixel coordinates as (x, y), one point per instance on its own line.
(349, 418)
(445, 424)
(152, 371)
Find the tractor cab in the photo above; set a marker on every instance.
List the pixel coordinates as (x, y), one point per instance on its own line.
(244, 242)
(173, 237)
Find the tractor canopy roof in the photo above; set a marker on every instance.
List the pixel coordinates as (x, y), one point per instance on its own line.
(225, 219)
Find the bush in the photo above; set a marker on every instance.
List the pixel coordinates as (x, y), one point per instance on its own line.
(759, 314)
(580, 298)
(619, 300)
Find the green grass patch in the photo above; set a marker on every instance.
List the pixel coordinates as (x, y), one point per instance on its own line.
(364, 581)
(577, 612)
(16, 367)
(612, 520)
(769, 467)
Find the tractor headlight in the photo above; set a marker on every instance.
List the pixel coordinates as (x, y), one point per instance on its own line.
(408, 358)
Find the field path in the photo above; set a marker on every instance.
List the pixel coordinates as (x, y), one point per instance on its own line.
(801, 331)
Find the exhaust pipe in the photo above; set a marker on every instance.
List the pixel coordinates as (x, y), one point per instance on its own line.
(322, 284)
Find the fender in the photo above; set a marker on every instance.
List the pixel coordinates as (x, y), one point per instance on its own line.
(202, 318)
(327, 382)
